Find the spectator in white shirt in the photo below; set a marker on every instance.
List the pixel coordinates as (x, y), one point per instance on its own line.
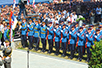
(74, 16)
(71, 19)
(98, 14)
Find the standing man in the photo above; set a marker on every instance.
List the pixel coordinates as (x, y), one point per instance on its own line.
(7, 55)
(89, 40)
(98, 14)
(80, 42)
(64, 33)
(30, 34)
(50, 37)
(36, 35)
(97, 36)
(43, 34)
(71, 41)
(57, 38)
(23, 33)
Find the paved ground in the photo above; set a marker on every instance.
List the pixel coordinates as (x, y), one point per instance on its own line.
(19, 60)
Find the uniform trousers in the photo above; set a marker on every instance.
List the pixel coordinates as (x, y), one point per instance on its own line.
(64, 47)
(36, 41)
(43, 40)
(30, 38)
(57, 46)
(24, 40)
(88, 53)
(50, 42)
(80, 50)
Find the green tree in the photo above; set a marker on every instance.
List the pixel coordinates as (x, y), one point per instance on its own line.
(96, 57)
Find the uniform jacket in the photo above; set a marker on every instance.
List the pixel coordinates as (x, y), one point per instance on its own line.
(24, 28)
(50, 36)
(30, 29)
(36, 30)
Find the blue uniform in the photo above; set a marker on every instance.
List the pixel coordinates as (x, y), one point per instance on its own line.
(30, 34)
(58, 34)
(43, 34)
(23, 33)
(30, 29)
(80, 44)
(36, 30)
(5, 35)
(57, 39)
(64, 40)
(50, 38)
(24, 28)
(89, 36)
(97, 37)
(36, 36)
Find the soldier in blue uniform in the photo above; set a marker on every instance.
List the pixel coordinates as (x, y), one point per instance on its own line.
(80, 42)
(64, 39)
(24, 32)
(68, 29)
(85, 31)
(72, 41)
(36, 35)
(100, 27)
(57, 38)
(50, 37)
(97, 36)
(5, 33)
(30, 34)
(89, 37)
(43, 34)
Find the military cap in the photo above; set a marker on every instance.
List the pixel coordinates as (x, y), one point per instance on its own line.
(23, 19)
(30, 20)
(91, 25)
(100, 26)
(69, 21)
(97, 29)
(43, 22)
(76, 23)
(89, 28)
(50, 22)
(64, 24)
(100, 23)
(36, 21)
(6, 41)
(73, 26)
(84, 24)
(81, 28)
(57, 24)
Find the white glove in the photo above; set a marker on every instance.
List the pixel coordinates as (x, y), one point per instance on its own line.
(70, 32)
(95, 36)
(66, 27)
(28, 25)
(61, 30)
(59, 26)
(54, 29)
(86, 35)
(47, 28)
(78, 34)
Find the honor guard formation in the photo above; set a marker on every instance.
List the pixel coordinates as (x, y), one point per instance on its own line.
(55, 26)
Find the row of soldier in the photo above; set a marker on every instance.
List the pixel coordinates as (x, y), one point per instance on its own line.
(67, 37)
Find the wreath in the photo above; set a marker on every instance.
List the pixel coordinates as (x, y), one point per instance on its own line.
(8, 32)
(0, 35)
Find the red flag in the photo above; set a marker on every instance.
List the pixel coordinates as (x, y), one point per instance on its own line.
(11, 13)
